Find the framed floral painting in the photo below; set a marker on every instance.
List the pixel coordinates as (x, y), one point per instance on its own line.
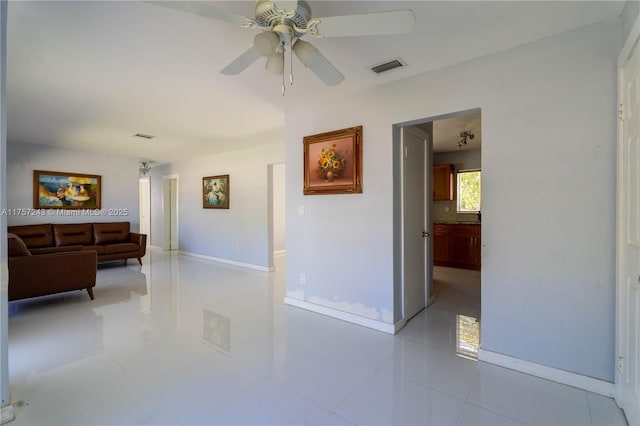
(62, 190)
(215, 192)
(333, 162)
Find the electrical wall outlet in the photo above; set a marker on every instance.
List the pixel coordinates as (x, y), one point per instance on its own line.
(303, 278)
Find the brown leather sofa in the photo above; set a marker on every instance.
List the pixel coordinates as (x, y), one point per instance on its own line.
(43, 274)
(109, 240)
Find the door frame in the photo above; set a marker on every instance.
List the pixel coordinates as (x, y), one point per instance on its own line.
(167, 203)
(620, 363)
(398, 293)
(272, 209)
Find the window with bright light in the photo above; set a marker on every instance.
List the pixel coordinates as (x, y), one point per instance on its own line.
(468, 191)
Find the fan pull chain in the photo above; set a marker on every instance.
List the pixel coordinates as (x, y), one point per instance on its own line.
(283, 85)
(291, 65)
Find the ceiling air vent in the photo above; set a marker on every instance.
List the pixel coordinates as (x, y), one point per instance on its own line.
(143, 136)
(387, 66)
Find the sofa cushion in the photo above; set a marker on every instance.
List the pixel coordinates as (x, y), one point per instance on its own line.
(121, 248)
(34, 235)
(72, 234)
(17, 247)
(97, 249)
(112, 232)
(49, 250)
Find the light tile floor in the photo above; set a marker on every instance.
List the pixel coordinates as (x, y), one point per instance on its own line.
(186, 341)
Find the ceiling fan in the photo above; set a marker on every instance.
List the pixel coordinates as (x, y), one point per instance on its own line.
(284, 22)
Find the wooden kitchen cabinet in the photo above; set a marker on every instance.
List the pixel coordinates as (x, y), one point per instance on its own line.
(457, 245)
(443, 182)
(440, 244)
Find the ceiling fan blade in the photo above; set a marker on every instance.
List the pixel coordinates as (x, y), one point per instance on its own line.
(242, 62)
(377, 23)
(204, 9)
(325, 70)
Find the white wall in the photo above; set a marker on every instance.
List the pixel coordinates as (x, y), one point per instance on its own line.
(629, 15)
(239, 234)
(119, 182)
(4, 271)
(548, 273)
(462, 160)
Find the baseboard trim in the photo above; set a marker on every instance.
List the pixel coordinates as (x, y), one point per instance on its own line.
(399, 326)
(228, 261)
(575, 380)
(431, 299)
(155, 248)
(7, 414)
(341, 315)
(279, 252)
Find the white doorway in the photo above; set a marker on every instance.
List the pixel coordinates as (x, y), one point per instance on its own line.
(144, 185)
(170, 212)
(276, 213)
(415, 145)
(417, 262)
(627, 385)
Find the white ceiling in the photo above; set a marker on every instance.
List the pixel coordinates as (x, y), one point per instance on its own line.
(446, 132)
(90, 74)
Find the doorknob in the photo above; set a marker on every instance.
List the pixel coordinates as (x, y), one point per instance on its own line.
(425, 234)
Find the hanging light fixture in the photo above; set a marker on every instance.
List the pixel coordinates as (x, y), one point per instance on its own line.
(275, 63)
(465, 135)
(145, 167)
(266, 42)
(305, 51)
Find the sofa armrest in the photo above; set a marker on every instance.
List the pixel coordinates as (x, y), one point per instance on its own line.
(39, 275)
(139, 239)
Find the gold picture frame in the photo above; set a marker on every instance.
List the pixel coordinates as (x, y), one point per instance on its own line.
(333, 162)
(61, 190)
(215, 192)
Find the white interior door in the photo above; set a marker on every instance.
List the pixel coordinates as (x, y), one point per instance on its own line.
(628, 262)
(145, 207)
(416, 270)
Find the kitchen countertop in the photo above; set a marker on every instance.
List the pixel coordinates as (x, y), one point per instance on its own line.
(454, 222)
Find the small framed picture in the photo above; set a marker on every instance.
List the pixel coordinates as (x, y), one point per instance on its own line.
(215, 192)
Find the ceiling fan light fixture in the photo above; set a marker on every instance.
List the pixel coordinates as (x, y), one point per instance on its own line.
(266, 42)
(284, 22)
(305, 51)
(275, 63)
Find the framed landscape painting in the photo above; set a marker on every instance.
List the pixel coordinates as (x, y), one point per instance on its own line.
(61, 190)
(215, 192)
(333, 162)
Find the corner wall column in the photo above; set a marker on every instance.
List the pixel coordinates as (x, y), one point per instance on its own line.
(6, 408)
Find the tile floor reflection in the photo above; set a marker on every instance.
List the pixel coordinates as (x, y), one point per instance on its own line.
(185, 341)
